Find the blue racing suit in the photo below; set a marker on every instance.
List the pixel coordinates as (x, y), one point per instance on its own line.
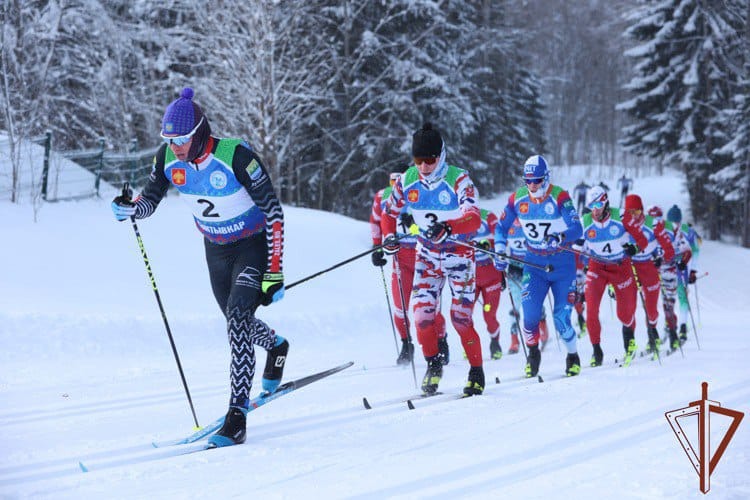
(553, 213)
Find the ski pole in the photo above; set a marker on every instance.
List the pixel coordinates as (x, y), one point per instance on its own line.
(697, 301)
(548, 268)
(343, 262)
(690, 312)
(126, 193)
(397, 267)
(518, 325)
(390, 312)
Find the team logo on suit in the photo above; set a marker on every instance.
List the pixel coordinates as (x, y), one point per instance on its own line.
(413, 196)
(218, 180)
(523, 208)
(178, 176)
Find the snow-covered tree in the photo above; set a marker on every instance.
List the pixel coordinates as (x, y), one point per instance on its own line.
(686, 77)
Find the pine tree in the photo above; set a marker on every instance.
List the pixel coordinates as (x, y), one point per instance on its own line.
(683, 88)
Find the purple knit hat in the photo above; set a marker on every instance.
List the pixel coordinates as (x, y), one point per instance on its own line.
(182, 115)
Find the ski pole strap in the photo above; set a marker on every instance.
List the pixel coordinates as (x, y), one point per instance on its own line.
(343, 262)
(548, 268)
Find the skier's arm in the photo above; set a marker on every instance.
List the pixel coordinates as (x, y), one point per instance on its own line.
(570, 216)
(155, 189)
(375, 217)
(504, 222)
(491, 224)
(251, 173)
(664, 241)
(635, 231)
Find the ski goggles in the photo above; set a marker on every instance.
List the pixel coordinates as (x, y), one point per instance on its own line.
(179, 140)
(428, 160)
(535, 180)
(597, 205)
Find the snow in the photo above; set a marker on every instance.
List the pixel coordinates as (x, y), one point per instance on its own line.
(65, 178)
(87, 374)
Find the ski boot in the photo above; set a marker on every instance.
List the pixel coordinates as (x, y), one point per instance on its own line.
(683, 333)
(275, 360)
(475, 385)
(572, 365)
(495, 350)
(628, 339)
(444, 353)
(674, 340)
(597, 357)
(433, 375)
(654, 342)
(233, 431)
(543, 334)
(513, 349)
(533, 360)
(407, 353)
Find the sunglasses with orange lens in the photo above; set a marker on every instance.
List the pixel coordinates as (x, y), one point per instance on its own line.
(429, 160)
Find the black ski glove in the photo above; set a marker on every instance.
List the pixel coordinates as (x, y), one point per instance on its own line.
(378, 258)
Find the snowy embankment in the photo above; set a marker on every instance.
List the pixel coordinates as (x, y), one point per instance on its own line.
(87, 374)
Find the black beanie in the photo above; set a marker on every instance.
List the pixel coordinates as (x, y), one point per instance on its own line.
(426, 142)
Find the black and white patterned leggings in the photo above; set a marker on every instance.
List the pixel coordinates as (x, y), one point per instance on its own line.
(236, 270)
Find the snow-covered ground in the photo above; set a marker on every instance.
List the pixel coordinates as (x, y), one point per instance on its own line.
(87, 375)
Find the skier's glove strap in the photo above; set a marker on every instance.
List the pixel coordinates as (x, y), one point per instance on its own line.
(272, 288)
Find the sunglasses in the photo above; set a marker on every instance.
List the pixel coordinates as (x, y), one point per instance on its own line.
(182, 139)
(429, 160)
(533, 181)
(634, 211)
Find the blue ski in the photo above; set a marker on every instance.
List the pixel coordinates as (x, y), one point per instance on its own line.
(256, 403)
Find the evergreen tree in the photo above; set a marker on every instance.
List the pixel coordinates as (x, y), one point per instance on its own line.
(684, 84)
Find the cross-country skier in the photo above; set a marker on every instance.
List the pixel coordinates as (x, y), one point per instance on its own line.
(625, 183)
(550, 223)
(579, 192)
(515, 246)
(234, 205)
(490, 281)
(610, 242)
(441, 199)
(403, 271)
(687, 275)
(668, 272)
(646, 263)
(580, 304)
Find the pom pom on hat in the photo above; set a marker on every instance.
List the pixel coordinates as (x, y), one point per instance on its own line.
(182, 115)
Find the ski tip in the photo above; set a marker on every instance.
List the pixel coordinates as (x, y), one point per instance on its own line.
(497, 380)
(83, 467)
(410, 404)
(539, 377)
(366, 403)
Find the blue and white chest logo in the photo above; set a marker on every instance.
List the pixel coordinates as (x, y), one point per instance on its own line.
(444, 198)
(549, 208)
(218, 180)
(614, 231)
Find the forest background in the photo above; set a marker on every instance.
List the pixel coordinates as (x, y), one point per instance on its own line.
(329, 92)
